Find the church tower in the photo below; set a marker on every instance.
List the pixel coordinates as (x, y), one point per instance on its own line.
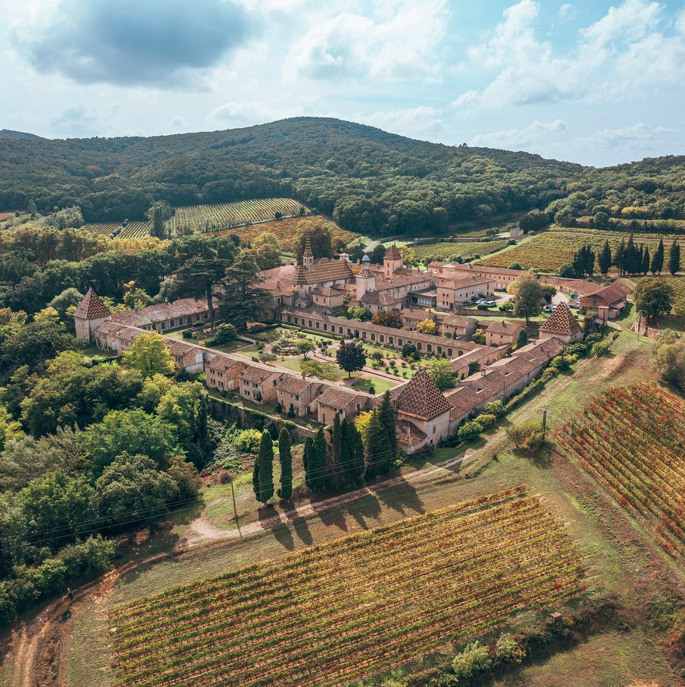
(365, 282)
(308, 256)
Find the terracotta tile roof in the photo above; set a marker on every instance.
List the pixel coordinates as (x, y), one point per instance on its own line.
(549, 347)
(108, 327)
(612, 294)
(91, 307)
(456, 320)
(256, 374)
(562, 321)
(409, 434)
(128, 333)
(403, 280)
(484, 269)
(220, 363)
(463, 400)
(161, 312)
(326, 291)
(421, 398)
(462, 282)
(418, 315)
(375, 298)
(293, 385)
(504, 327)
(393, 253)
(337, 397)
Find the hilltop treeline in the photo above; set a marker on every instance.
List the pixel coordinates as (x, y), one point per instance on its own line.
(369, 180)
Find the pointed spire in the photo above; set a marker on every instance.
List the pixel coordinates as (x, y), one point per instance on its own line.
(308, 247)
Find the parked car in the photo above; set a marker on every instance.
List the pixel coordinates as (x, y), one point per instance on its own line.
(490, 303)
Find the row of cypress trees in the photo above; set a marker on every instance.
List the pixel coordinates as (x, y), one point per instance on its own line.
(332, 464)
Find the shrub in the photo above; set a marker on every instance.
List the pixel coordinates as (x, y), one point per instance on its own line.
(527, 435)
(187, 334)
(469, 430)
(472, 661)
(225, 333)
(495, 408)
(593, 338)
(508, 650)
(248, 440)
(599, 349)
(486, 420)
(267, 357)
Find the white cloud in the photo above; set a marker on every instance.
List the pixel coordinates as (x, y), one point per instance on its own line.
(613, 58)
(237, 114)
(640, 136)
(567, 12)
(423, 122)
(518, 138)
(179, 122)
(78, 119)
(398, 41)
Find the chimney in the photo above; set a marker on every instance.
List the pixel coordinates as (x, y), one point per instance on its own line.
(166, 300)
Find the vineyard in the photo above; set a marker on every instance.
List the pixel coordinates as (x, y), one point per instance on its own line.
(356, 606)
(451, 251)
(548, 252)
(631, 440)
(215, 217)
(678, 295)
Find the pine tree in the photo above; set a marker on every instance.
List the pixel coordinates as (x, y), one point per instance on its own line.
(286, 460)
(645, 261)
(658, 259)
(605, 259)
(674, 258)
(263, 476)
(308, 460)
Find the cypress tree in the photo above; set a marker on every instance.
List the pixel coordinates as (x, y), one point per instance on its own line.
(589, 260)
(255, 478)
(629, 257)
(346, 450)
(264, 484)
(658, 258)
(318, 461)
(605, 259)
(337, 442)
(645, 261)
(674, 258)
(354, 438)
(388, 419)
(376, 447)
(286, 459)
(308, 460)
(620, 257)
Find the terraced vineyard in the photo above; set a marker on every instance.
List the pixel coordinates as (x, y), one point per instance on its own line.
(448, 251)
(631, 440)
(216, 217)
(549, 251)
(356, 606)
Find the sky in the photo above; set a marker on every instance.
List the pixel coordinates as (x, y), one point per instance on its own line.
(594, 82)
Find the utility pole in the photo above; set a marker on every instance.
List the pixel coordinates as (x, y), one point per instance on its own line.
(544, 422)
(235, 510)
(639, 322)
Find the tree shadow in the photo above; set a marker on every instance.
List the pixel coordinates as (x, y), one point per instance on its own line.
(402, 497)
(280, 530)
(365, 508)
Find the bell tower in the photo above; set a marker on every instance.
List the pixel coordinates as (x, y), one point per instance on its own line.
(308, 256)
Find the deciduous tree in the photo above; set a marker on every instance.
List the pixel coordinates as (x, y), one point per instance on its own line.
(351, 357)
(149, 355)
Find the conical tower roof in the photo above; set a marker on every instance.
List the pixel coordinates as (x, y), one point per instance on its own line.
(308, 247)
(421, 397)
(91, 307)
(393, 253)
(562, 321)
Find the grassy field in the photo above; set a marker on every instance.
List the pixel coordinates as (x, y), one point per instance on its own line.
(451, 251)
(549, 251)
(449, 574)
(631, 440)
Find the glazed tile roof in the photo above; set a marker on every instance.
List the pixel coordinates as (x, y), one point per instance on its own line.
(323, 271)
(91, 307)
(421, 398)
(562, 321)
(393, 253)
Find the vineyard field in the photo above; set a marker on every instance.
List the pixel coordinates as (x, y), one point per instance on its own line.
(448, 251)
(678, 295)
(356, 606)
(630, 439)
(229, 215)
(549, 251)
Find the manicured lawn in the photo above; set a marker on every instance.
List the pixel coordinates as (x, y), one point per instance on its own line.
(380, 385)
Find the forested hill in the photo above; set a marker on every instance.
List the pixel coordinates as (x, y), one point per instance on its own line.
(369, 180)
(8, 133)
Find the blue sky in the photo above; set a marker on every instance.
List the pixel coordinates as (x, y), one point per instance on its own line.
(593, 82)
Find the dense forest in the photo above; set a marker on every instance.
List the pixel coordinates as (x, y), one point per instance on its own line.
(369, 180)
(366, 179)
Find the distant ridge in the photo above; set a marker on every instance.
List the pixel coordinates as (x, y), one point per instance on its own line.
(17, 135)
